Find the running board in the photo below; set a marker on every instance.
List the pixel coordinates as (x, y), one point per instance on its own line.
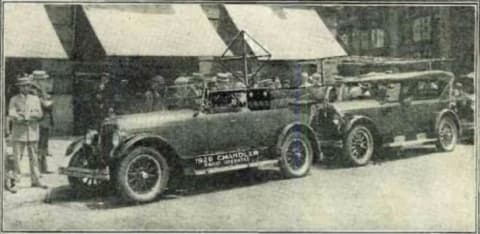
(409, 143)
(235, 167)
(84, 173)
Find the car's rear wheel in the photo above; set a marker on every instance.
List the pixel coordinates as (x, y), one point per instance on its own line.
(447, 134)
(358, 145)
(296, 155)
(142, 175)
(84, 185)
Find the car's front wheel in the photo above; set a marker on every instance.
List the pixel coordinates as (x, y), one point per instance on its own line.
(142, 175)
(296, 155)
(358, 145)
(447, 134)
(85, 185)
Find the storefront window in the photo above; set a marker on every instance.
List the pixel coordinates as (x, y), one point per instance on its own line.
(365, 40)
(378, 38)
(344, 38)
(422, 29)
(355, 44)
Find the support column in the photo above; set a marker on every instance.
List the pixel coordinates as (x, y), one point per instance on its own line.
(392, 29)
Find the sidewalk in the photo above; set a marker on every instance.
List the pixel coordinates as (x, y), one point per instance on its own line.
(26, 194)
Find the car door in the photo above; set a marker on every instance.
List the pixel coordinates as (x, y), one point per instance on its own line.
(193, 134)
(389, 117)
(422, 105)
(226, 132)
(226, 124)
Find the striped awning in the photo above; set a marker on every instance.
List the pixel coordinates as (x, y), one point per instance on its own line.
(29, 32)
(287, 33)
(155, 30)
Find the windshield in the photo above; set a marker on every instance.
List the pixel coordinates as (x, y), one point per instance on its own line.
(183, 97)
(389, 92)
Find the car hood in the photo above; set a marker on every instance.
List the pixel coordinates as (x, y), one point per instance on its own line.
(150, 119)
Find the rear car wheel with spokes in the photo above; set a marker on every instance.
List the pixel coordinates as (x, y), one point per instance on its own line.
(447, 134)
(142, 175)
(296, 155)
(358, 145)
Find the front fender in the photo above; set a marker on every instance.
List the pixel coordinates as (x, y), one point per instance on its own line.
(148, 139)
(76, 145)
(356, 119)
(299, 126)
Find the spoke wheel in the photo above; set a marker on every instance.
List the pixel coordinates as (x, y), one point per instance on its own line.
(142, 175)
(296, 155)
(447, 135)
(359, 145)
(85, 185)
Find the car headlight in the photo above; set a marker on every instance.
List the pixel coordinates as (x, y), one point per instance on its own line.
(117, 137)
(336, 119)
(90, 136)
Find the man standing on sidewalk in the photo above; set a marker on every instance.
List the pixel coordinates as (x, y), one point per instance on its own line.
(25, 111)
(46, 123)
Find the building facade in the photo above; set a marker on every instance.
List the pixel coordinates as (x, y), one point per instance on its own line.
(410, 32)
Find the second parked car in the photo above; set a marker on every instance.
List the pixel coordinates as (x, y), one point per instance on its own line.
(364, 114)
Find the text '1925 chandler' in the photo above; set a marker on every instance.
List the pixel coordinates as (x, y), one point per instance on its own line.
(229, 130)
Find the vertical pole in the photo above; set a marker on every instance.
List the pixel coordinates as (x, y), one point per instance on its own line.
(322, 71)
(244, 56)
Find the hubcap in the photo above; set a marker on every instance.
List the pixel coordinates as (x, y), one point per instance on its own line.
(446, 134)
(144, 172)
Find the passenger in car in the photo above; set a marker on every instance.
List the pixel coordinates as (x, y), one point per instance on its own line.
(306, 82)
(154, 95)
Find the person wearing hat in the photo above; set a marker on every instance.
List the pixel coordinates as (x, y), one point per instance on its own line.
(305, 79)
(154, 95)
(223, 81)
(102, 104)
(25, 111)
(47, 122)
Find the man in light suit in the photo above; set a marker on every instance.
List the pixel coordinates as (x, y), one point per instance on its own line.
(25, 111)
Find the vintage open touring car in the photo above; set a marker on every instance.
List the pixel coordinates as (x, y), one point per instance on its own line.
(230, 130)
(364, 114)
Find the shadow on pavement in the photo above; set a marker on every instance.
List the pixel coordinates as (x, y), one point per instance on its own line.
(182, 187)
(225, 181)
(334, 159)
(65, 194)
(400, 154)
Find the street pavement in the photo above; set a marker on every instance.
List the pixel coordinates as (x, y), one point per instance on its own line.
(417, 189)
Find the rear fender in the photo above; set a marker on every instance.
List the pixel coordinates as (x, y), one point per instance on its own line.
(298, 126)
(451, 114)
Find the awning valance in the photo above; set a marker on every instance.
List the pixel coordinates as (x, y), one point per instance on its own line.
(161, 30)
(287, 33)
(29, 32)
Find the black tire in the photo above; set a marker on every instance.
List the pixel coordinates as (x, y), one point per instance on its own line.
(447, 135)
(358, 145)
(296, 155)
(82, 185)
(142, 175)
